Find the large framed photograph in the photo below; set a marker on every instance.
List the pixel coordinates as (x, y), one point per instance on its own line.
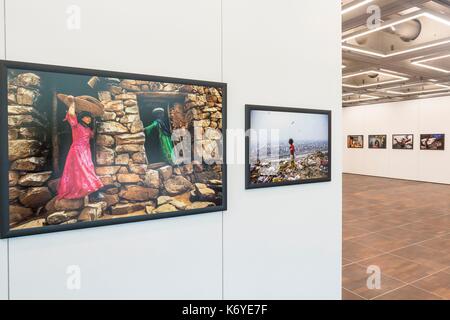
(434, 141)
(84, 148)
(378, 141)
(355, 141)
(286, 146)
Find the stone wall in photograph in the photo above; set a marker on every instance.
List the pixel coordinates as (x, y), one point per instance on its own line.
(132, 185)
(28, 149)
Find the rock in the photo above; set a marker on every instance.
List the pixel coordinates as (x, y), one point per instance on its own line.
(180, 205)
(104, 140)
(28, 164)
(149, 209)
(203, 192)
(139, 168)
(200, 205)
(132, 110)
(130, 102)
(34, 179)
(70, 221)
(104, 156)
(138, 193)
(107, 180)
(129, 85)
(35, 197)
(166, 172)
(129, 148)
(104, 96)
(122, 159)
(14, 193)
(177, 185)
(27, 80)
(63, 205)
(163, 200)
(92, 212)
(13, 178)
(136, 126)
(12, 98)
(152, 179)
(139, 157)
(18, 149)
(133, 138)
(123, 170)
(61, 216)
(53, 185)
(113, 190)
(128, 178)
(111, 127)
(106, 170)
(20, 110)
(126, 96)
(18, 213)
(108, 116)
(26, 96)
(114, 106)
(13, 134)
(129, 118)
(110, 199)
(32, 133)
(125, 208)
(165, 208)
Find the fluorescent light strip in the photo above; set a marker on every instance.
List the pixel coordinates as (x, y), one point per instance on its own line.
(368, 97)
(444, 87)
(431, 95)
(420, 63)
(399, 78)
(353, 7)
(381, 55)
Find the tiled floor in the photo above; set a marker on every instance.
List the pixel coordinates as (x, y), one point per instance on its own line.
(401, 227)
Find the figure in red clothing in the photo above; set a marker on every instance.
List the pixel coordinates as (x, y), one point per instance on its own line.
(292, 152)
(78, 179)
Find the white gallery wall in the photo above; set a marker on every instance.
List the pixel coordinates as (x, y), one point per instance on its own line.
(416, 117)
(276, 243)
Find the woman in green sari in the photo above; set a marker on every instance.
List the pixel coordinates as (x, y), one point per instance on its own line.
(158, 139)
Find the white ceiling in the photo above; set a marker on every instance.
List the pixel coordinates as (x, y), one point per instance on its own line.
(399, 54)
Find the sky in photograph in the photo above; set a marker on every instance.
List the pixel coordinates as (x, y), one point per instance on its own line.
(298, 126)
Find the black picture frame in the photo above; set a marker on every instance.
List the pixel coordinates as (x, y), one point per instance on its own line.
(5, 231)
(427, 135)
(248, 109)
(403, 134)
(377, 135)
(355, 135)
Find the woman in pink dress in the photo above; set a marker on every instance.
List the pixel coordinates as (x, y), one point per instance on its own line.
(79, 179)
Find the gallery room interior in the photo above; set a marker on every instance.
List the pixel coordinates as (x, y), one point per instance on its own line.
(225, 150)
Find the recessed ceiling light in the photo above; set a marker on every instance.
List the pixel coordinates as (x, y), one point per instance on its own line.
(385, 73)
(352, 7)
(420, 63)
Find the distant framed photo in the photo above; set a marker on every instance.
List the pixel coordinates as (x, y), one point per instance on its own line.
(403, 141)
(286, 146)
(355, 141)
(85, 148)
(434, 141)
(377, 141)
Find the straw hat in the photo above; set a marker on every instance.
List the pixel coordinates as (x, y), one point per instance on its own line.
(84, 103)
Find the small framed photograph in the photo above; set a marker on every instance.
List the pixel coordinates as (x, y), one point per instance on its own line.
(286, 146)
(377, 141)
(403, 141)
(355, 141)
